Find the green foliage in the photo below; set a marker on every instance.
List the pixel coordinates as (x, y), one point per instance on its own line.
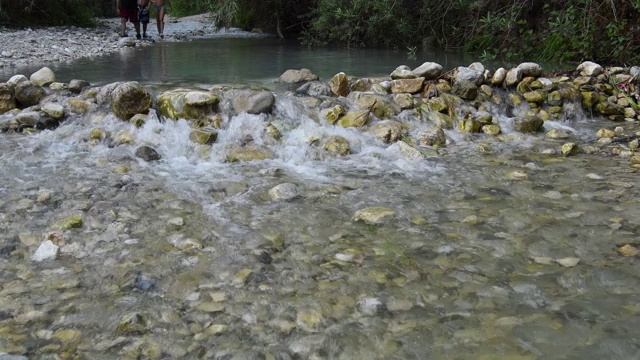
(225, 12)
(20, 13)
(190, 7)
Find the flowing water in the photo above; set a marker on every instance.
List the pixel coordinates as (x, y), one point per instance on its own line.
(188, 257)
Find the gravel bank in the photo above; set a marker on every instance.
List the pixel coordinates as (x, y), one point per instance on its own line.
(20, 48)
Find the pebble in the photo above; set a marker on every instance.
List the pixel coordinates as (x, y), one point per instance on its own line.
(47, 250)
(568, 261)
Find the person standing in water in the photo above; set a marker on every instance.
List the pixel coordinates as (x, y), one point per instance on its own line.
(143, 15)
(160, 8)
(128, 10)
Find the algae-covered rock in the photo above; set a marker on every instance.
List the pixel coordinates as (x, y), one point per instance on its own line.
(432, 137)
(536, 96)
(7, 99)
(244, 101)
(333, 114)
(283, 192)
(607, 108)
(204, 136)
(374, 215)
(337, 145)
(465, 90)
(128, 99)
(438, 104)
(411, 86)
(589, 99)
(388, 131)
(340, 84)
(249, 153)
(131, 324)
(469, 125)
(605, 133)
(438, 119)
(569, 149)
(186, 104)
(374, 103)
(71, 222)
(404, 101)
(528, 124)
(354, 119)
(491, 129)
(557, 134)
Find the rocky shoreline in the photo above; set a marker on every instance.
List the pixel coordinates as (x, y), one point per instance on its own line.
(63, 44)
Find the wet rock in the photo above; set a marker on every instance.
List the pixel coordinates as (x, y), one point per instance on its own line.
(354, 119)
(338, 145)
(147, 153)
(181, 242)
(129, 99)
(468, 74)
(203, 136)
(241, 278)
(628, 250)
(388, 131)
(569, 149)
(404, 101)
(528, 124)
(517, 175)
(465, 90)
(469, 126)
(7, 99)
(536, 96)
(499, 76)
(374, 215)
(131, 324)
(16, 79)
(55, 111)
(298, 76)
(249, 153)
(438, 119)
(46, 251)
(333, 114)
(28, 94)
(530, 69)
(210, 307)
(314, 89)
(340, 84)
(283, 192)
(428, 70)
(400, 148)
(513, 77)
(187, 104)
(432, 137)
(411, 86)
(216, 329)
(370, 307)
(77, 106)
(58, 86)
(492, 129)
(71, 222)
(253, 101)
(77, 86)
(138, 120)
(43, 77)
(557, 134)
(605, 133)
(402, 72)
(568, 261)
(376, 104)
(309, 320)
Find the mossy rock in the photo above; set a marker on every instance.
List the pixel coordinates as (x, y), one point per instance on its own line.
(186, 104)
(354, 119)
(376, 104)
(71, 222)
(469, 126)
(536, 96)
(334, 114)
(203, 136)
(337, 145)
(529, 124)
(250, 153)
(374, 215)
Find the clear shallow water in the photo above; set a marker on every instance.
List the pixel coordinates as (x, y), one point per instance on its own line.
(466, 269)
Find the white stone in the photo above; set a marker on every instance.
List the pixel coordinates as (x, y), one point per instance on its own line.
(589, 68)
(498, 76)
(568, 261)
(16, 79)
(468, 74)
(530, 69)
(514, 76)
(428, 70)
(43, 77)
(285, 191)
(47, 250)
(56, 111)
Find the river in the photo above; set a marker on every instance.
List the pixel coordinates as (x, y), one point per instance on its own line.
(495, 250)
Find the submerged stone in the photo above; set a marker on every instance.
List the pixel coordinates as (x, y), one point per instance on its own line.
(354, 119)
(374, 215)
(337, 145)
(147, 153)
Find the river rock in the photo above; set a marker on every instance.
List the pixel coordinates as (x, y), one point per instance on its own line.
(354, 119)
(438, 119)
(469, 125)
(56, 111)
(298, 76)
(589, 68)
(411, 86)
(7, 99)
(569, 149)
(466, 90)
(340, 84)
(513, 77)
(28, 118)
(127, 42)
(58, 86)
(314, 89)
(77, 105)
(402, 72)
(374, 103)
(147, 153)
(530, 69)
(471, 75)
(43, 77)
(374, 215)
(338, 145)
(528, 124)
(432, 137)
(47, 250)
(332, 115)
(388, 131)
(249, 153)
(128, 99)
(499, 76)
(28, 94)
(428, 70)
(283, 192)
(491, 129)
(104, 94)
(16, 79)
(191, 104)
(204, 136)
(76, 86)
(253, 101)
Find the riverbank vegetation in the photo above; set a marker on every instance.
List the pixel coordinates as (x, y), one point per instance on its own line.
(607, 31)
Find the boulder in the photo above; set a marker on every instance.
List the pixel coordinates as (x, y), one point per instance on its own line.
(247, 101)
(104, 94)
(530, 69)
(589, 68)
(340, 84)
(147, 153)
(513, 77)
(76, 86)
(402, 72)
(128, 99)
(411, 86)
(249, 153)
(314, 88)
(337, 145)
(528, 124)
(77, 105)
(203, 136)
(43, 77)
(55, 111)
(388, 131)
(354, 119)
(28, 94)
(377, 104)
(466, 90)
(283, 192)
(7, 99)
(188, 104)
(428, 70)
(332, 115)
(298, 76)
(468, 74)
(432, 137)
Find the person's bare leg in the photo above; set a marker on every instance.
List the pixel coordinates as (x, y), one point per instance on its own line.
(136, 25)
(161, 22)
(158, 22)
(123, 26)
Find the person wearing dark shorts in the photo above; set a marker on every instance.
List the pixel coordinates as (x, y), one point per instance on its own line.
(128, 10)
(143, 15)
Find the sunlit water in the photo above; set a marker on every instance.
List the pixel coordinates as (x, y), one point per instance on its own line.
(466, 270)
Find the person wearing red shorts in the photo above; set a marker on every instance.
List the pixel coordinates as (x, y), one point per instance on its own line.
(128, 10)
